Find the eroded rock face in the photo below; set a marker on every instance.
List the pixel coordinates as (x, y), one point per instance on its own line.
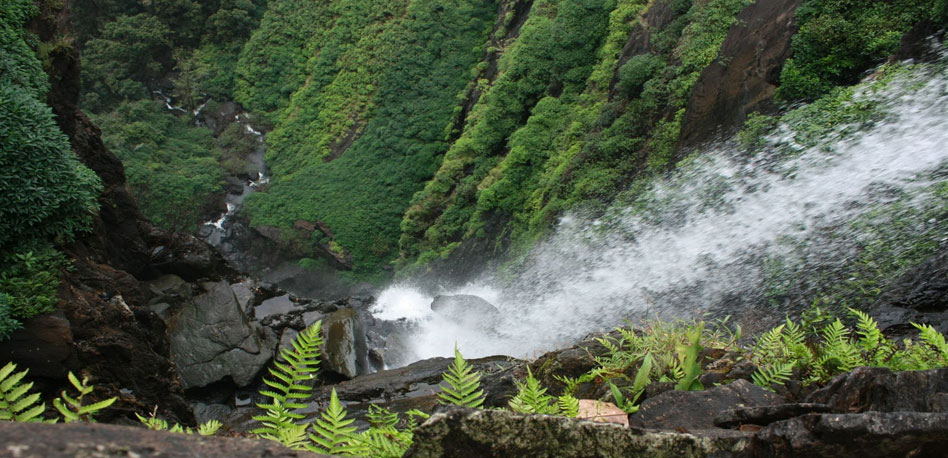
(212, 338)
(913, 434)
(462, 433)
(745, 75)
(36, 440)
(880, 389)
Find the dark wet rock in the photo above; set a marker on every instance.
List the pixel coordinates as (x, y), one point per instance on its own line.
(245, 294)
(880, 389)
(766, 415)
(695, 410)
(855, 435)
(746, 72)
(344, 351)
(462, 433)
(211, 338)
(274, 306)
(570, 362)
(204, 412)
(44, 345)
(467, 309)
(168, 288)
(88, 440)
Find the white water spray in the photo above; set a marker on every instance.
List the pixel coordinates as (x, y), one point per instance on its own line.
(700, 239)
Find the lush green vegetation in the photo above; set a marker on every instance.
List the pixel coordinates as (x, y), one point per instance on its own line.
(173, 169)
(188, 49)
(384, 79)
(47, 196)
(840, 39)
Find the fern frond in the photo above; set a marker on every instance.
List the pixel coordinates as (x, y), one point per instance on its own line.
(934, 339)
(463, 384)
(777, 374)
(16, 403)
(332, 431)
(209, 428)
(567, 406)
(288, 386)
(531, 397)
(72, 409)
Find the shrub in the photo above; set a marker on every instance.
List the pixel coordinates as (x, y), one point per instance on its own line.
(636, 72)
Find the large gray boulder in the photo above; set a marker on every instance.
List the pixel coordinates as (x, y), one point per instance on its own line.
(344, 347)
(212, 338)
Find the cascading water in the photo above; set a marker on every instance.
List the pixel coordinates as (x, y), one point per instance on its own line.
(708, 237)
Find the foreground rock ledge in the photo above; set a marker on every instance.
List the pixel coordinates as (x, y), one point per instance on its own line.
(36, 440)
(463, 433)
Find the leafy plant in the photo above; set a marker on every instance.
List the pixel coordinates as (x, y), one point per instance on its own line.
(690, 363)
(333, 434)
(461, 385)
(208, 428)
(72, 408)
(777, 373)
(532, 398)
(16, 401)
(383, 439)
(641, 381)
(287, 388)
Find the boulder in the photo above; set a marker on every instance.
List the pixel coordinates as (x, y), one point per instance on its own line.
(279, 305)
(92, 440)
(914, 434)
(462, 433)
(467, 309)
(344, 347)
(244, 292)
(881, 389)
(212, 338)
(695, 410)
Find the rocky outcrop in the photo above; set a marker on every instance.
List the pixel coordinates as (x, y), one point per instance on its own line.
(694, 411)
(212, 338)
(461, 433)
(746, 72)
(855, 435)
(880, 389)
(344, 350)
(36, 440)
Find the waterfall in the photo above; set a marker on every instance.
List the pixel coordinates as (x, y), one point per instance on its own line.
(711, 238)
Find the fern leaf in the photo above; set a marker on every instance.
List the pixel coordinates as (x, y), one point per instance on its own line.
(567, 406)
(16, 402)
(777, 374)
(332, 430)
(209, 428)
(463, 384)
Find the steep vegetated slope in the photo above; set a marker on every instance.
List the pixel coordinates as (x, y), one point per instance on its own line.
(415, 132)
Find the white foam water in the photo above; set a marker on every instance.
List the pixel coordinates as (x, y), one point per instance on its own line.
(696, 241)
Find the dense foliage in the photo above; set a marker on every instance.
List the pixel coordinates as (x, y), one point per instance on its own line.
(137, 53)
(46, 195)
(840, 39)
(381, 88)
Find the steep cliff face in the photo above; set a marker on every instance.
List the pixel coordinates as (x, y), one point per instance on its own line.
(102, 325)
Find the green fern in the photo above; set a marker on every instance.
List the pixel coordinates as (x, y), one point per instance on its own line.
(209, 428)
(876, 347)
(333, 435)
(532, 398)
(933, 338)
(777, 374)
(837, 353)
(287, 388)
(567, 406)
(16, 402)
(384, 439)
(462, 385)
(72, 409)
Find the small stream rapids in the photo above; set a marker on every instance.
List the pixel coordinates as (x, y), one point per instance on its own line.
(698, 242)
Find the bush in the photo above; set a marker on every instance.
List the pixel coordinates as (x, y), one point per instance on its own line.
(636, 72)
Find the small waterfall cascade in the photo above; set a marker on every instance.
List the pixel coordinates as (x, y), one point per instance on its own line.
(730, 232)
(216, 230)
